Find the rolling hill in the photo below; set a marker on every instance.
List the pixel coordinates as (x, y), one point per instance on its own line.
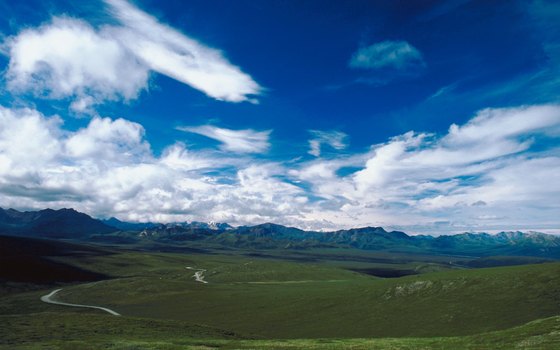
(309, 305)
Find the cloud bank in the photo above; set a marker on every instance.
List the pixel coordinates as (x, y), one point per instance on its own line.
(500, 167)
(108, 168)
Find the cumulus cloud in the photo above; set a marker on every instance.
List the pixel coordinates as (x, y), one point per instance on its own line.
(68, 58)
(107, 168)
(108, 140)
(467, 179)
(503, 158)
(399, 55)
(334, 139)
(27, 139)
(240, 141)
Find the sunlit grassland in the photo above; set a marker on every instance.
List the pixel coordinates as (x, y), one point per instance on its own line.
(249, 302)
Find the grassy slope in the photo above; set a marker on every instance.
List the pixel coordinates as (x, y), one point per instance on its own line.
(88, 331)
(276, 299)
(289, 300)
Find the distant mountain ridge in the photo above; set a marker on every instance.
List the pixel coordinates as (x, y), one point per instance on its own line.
(269, 236)
(139, 226)
(49, 223)
(70, 224)
(127, 226)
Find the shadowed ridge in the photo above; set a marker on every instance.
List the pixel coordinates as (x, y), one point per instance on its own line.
(49, 223)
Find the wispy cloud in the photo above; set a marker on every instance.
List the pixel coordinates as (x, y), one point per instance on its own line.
(169, 52)
(334, 139)
(240, 141)
(485, 143)
(399, 55)
(69, 58)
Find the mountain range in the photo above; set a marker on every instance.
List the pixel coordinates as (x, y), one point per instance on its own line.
(71, 224)
(49, 223)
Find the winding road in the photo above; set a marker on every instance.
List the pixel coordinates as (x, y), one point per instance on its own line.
(198, 275)
(48, 299)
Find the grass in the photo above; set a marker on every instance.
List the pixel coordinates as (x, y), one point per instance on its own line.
(87, 331)
(278, 299)
(252, 303)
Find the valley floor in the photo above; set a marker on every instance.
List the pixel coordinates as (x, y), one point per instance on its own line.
(86, 331)
(229, 300)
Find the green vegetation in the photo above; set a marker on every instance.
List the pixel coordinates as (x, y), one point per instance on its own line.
(91, 331)
(313, 300)
(279, 299)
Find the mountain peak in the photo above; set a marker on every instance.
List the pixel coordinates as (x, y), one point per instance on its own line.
(61, 223)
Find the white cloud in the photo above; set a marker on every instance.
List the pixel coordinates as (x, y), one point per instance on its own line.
(167, 51)
(399, 55)
(474, 149)
(108, 140)
(27, 139)
(240, 141)
(334, 139)
(505, 123)
(107, 168)
(68, 58)
(422, 178)
(413, 181)
(177, 156)
(383, 166)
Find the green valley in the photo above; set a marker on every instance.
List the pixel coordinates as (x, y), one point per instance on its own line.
(272, 300)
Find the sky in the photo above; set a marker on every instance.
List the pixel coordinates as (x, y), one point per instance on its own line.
(431, 117)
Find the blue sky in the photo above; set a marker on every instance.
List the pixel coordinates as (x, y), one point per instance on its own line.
(427, 116)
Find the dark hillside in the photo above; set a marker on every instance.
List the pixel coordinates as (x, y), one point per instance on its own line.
(28, 260)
